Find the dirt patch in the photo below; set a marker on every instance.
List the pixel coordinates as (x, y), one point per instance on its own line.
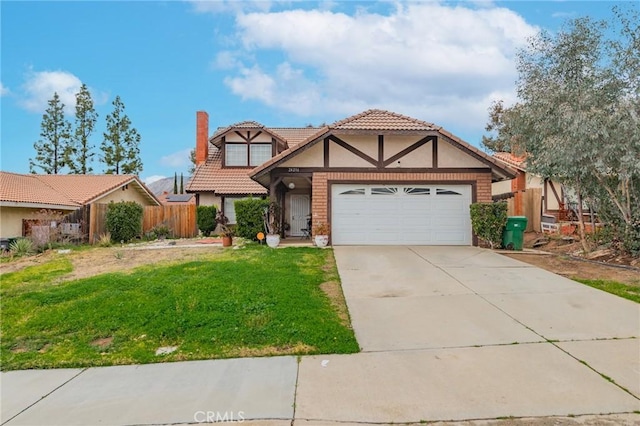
(244, 352)
(95, 261)
(102, 343)
(564, 256)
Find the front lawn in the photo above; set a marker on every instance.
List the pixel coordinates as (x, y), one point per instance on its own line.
(250, 302)
(631, 292)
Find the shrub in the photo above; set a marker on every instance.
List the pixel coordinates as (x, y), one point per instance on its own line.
(124, 220)
(250, 217)
(21, 247)
(488, 221)
(104, 240)
(206, 218)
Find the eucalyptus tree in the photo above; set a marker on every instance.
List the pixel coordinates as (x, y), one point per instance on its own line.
(578, 109)
(55, 132)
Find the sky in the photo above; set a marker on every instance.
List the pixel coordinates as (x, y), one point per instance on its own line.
(281, 63)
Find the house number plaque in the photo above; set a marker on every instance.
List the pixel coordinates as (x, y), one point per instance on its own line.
(294, 169)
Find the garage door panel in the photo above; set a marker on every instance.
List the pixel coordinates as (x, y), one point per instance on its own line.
(401, 214)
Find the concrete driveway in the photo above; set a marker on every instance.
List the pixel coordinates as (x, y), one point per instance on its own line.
(454, 333)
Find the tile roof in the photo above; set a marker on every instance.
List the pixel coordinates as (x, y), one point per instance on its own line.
(511, 160)
(377, 119)
(19, 188)
(294, 136)
(211, 177)
(71, 190)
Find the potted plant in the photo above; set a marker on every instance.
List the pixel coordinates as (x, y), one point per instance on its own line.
(272, 222)
(321, 234)
(226, 231)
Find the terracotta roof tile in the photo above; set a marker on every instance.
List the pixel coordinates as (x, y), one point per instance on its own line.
(377, 119)
(72, 190)
(211, 177)
(511, 160)
(29, 189)
(294, 136)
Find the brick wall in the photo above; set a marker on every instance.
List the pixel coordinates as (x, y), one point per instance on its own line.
(202, 137)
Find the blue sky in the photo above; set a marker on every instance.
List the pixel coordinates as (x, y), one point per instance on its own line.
(282, 63)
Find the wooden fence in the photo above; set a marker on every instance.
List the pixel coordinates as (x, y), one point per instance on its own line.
(180, 219)
(527, 203)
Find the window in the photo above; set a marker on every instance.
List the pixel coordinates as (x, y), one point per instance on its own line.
(446, 192)
(358, 191)
(383, 191)
(417, 191)
(230, 208)
(260, 153)
(235, 155)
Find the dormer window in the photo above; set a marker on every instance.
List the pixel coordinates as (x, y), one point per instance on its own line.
(260, 153)
(236, 155)
(243, 155)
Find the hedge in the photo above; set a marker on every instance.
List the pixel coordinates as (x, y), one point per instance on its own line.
(488, 221)
(206, 219)
(250, 217)
(124, 220)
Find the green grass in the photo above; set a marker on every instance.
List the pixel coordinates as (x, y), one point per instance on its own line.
(631, 292)
(251, 302)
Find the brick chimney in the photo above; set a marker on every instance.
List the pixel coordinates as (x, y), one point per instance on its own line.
(202, 137)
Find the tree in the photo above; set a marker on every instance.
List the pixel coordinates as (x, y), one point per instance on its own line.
(192, 158)
(55, 132)
(181, 183)
(175, 182)
(120, 147)
(79, 153)
(577, 116)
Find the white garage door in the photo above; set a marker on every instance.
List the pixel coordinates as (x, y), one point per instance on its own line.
(400, 214)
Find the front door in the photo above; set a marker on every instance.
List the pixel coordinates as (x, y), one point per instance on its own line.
(299, 214)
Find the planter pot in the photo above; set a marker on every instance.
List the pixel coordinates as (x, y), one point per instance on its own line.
(227, 241)
(273, 240)
(321, 240)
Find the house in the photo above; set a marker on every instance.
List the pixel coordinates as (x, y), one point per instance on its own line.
(377, 177)
(23, 196)
(170, 199)
(553, 200)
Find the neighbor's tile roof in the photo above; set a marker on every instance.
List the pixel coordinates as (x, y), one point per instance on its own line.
(511, 160)
(21, 188)
(377, 119)
(211, 177)
(68, 190)
(85, 188)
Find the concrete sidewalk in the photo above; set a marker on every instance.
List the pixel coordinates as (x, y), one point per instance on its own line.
(448, 334)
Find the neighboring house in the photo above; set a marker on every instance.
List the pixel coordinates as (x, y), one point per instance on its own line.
(23, 196)
(553, 193)
(376, 178)
(171, 199)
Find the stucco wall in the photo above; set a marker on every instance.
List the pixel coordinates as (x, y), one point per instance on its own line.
(130, 193)
(11, 220)
(450, 156)
(502, 187)
(312, 157)
(209, 199)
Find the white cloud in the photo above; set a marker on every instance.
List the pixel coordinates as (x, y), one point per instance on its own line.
(40, 86)
(234, 6)
(177, 159)
(4, 90)
(436, 62)
(153, 178)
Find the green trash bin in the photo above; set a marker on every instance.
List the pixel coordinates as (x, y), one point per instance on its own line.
(513, 237)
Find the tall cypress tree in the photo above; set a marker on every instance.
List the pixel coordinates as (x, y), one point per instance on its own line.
(79, 154)
(175, 182)
(120, 147)
(181, 183)
(54, 139)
